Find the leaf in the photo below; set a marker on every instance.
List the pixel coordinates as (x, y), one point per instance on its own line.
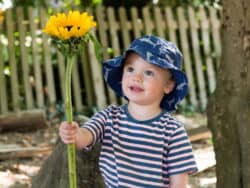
(97, 47)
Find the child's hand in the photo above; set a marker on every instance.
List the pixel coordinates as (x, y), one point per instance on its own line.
(68, 132)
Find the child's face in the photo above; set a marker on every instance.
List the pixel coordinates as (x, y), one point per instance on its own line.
(144, 83)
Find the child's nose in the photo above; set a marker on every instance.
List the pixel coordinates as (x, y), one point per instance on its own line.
(137, 78)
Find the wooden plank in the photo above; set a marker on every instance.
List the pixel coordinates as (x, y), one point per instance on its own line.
(23, 121)
(102, 31)
(197, 57)
(97, 77)
(76, 87)
(113, 31)
(199, 133)
(147, 22)
(3, 92)
(207, 51)
(47, 62)
(183, 26)
(12, 61)
(113, 28)
(171, 24)
(88, 84)
(35, 58)
(172, 27)
(159, 22)
(125, 27)
(96, 68)
(136, 22)
(24, 59)
(17, 152)
(216, 38)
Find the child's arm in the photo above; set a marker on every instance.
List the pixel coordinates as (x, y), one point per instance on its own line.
(179, 181)
(74, 134)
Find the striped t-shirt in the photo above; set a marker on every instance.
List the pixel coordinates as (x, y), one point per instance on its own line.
(140, 153)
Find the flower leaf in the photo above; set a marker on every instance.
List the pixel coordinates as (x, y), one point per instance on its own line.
(97, 47)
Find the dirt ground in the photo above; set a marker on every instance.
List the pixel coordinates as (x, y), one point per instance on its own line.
(17, 173)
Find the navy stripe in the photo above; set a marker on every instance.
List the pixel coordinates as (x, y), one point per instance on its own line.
(177, 146)
(144, 185)
(180, 152)
(181, 166)
(181, 159)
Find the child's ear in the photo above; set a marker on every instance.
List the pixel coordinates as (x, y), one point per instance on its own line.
(169, 87)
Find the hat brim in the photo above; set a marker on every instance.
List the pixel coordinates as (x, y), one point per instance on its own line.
(113, 71)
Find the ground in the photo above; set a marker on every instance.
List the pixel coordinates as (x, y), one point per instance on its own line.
(17, 173)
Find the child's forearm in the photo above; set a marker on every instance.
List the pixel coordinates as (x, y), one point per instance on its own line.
(179, 181)
(83, 138)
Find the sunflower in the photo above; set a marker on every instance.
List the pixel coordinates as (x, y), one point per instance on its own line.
(69, 33)
(72, 25)
(1, 16)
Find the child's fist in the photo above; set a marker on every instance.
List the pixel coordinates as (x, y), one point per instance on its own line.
(68, 132)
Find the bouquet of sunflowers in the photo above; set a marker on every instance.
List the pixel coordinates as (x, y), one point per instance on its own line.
(68, 33)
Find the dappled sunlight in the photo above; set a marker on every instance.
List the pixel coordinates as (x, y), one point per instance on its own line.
(18, 174)
(9, 179)
(26, 169)
(205, 182)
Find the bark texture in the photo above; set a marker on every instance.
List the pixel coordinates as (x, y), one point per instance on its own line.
(228, 108)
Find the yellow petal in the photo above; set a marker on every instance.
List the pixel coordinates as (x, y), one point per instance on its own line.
(74, 24)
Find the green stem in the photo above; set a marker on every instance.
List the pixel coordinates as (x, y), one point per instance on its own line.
(69, 116)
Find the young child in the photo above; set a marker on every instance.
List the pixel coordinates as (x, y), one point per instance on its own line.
(142, 144)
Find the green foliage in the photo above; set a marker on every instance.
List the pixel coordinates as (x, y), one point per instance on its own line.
(188, 110)
(26, 3)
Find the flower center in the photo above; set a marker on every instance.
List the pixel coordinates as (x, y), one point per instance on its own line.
(69, 27)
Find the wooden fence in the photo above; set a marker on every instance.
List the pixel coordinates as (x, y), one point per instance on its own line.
(32, 71)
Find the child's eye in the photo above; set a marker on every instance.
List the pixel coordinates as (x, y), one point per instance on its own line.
(130, 69)
(149, 73)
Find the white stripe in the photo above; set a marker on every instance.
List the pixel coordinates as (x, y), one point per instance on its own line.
(183, 135)
(147, 132)
(180, 149)
(105, 154)
(108, 178)
(108, 167)
(141, 146)
(142, 175)
(152, 169)
(141, 154)
(139, 125)
(182, 169)
(179, 143)
(181, 162)
(133, 158)
(141, 181)
(177, 156)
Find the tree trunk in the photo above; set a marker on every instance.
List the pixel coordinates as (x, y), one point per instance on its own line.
(229, 107)
(54, 171)
(23, 121)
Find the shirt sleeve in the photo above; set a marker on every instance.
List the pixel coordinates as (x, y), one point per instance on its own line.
(96, 125)
(180, 158)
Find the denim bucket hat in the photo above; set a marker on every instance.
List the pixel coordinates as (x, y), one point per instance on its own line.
(156, 51)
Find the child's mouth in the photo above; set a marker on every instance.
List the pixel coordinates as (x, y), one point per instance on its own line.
(136, 89)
